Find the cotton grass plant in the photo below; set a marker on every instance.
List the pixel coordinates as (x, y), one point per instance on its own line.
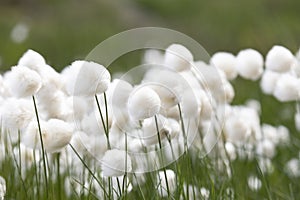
(176, 134)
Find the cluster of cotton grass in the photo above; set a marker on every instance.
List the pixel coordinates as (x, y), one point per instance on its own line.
(96, 131)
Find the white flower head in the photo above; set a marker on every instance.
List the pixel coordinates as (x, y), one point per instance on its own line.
(249, 63)
(23, 81)
(178, 57)
(162, 182)
(143, 103)
(87, 78)
(190, 104)
(229, 92)
(149, 130)
(153, 56)
(19, 33)
(283, 134)
(32, 60)
(56, 134)
(292, 168)
(254, 183)
(279, 59)
(207, 108)
(236, 129)
(268, 81)
(115, 163)
(226, 62)
(270, 133)
(205, 193)
(167, 84)
(287, 88)
(253, 104)
(118, 93)
(231, 150)
(266, 148)
(16, 113)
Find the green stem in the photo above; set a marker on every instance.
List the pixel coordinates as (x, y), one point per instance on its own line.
(183, 129)
(160, 147)
(90, 171)
(58, 176)
(42, 145)
(124, 188)
(105, 127)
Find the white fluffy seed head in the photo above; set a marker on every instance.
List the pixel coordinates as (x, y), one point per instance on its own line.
(283, 134)
(226, 62)
(254, 183)
(207, 107)
(292, 168)
(270, 133)
(86, 78)
(16, 113)
(118, 93)
(266, 148)
(32, 60)
(279, 59)
(167, 84)
(268, 81)
(115, 163)
(254, 104)
(236, 130)
(205, 193)
(143, 103)
(229, 92)
(23, 81)
(231, 151)
(153, 56)
(287, 88)
(56, 134)
(190, 104)
(163, 184)
(149, 130)
(178, 57)
(249, 63)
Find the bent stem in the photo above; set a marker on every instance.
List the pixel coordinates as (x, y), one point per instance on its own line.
(183, 129)
(89, 170)
(42, 144)
(160, 147)
(124, 188)
(104, 124)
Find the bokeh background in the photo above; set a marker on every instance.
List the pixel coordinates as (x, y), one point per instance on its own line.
(64, 30)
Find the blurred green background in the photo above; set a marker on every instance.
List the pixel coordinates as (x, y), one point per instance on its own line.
(65, 30)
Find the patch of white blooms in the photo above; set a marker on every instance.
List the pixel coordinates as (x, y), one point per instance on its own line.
(109, 122)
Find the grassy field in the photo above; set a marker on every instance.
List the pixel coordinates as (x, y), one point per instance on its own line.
(64, 31)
